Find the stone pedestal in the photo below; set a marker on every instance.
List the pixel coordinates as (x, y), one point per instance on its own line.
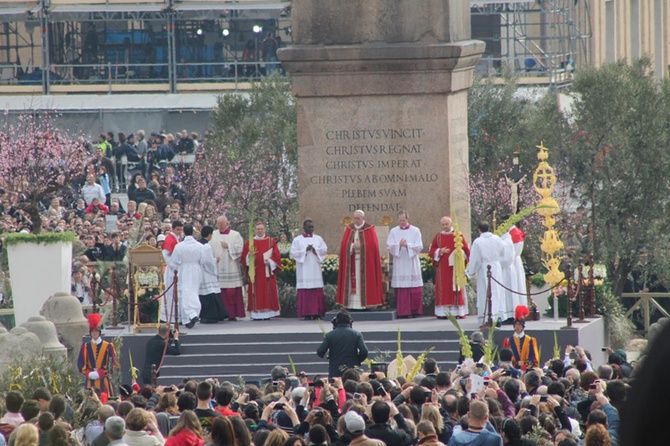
(17, 345)
(46, 332)
(65, 311)
(381, 91)
(37, 271)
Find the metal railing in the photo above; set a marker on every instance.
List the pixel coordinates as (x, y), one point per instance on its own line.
(117, 75)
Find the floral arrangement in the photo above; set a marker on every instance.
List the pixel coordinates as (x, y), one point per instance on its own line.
(599, 273)
(330, 266)
(148, 278)
(287, 273)
(427, 267)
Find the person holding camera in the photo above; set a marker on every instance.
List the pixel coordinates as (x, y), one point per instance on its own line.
(155, 350)
(345, 346)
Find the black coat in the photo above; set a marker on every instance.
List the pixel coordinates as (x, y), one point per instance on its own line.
(154, 354)
(397, 437)
(345, 347)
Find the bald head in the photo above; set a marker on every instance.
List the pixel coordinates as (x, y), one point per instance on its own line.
(446, 224)
(104, 412)
(222, 223)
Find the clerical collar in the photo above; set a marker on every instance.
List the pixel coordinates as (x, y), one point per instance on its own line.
(359, 226)
(405, 228)
(304, 234)
(226, 231)
(447, 233)
(260, 238)
(519, 335)
(97, 341)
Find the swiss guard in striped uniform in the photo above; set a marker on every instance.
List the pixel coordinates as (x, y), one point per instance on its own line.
(96, 359)
(523, 346)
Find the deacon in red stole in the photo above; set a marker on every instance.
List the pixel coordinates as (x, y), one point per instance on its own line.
(447, 299)
(523, 346)
(263, 296)
(359, 280)
(96, 359)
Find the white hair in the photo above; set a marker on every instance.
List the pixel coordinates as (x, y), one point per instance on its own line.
(358, 211)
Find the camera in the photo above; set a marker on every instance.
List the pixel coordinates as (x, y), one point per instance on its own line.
(275, 384)
(279, 406)
(480, 365)
(527, 413)
(357, 396)
(603, 349)
(381, 391)
(463, 382)
(428, 394)
(543, 398)
(318, 414)
(379, 367)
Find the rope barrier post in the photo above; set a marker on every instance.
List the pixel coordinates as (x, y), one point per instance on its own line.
(568, 297)
(115, 294)
(488, 295)
(94, 289)
(591, 312)
(580, 296)
(175, 300)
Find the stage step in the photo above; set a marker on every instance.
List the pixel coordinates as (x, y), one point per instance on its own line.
(248, 357)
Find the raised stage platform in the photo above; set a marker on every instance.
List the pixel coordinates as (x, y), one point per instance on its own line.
(249, 349)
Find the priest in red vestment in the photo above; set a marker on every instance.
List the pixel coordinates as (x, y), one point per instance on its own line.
(447, 299)
(359, 280)
(263, 296)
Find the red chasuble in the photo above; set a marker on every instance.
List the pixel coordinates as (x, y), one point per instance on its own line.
(372, 292)
(444, 273)
(170, 242)
(517, 235)
(263, 294)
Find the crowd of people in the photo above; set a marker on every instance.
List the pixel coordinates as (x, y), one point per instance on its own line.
(566, 402)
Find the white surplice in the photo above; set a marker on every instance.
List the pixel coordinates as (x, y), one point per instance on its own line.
(167, 313)
(486, 250)
(188, 257)
(209, 282)
(229, 268)
(509, 276)
(406, 262)
(520, 273)
(307, 264)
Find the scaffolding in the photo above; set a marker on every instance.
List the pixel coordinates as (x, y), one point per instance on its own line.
(64, 46)
(540, 41)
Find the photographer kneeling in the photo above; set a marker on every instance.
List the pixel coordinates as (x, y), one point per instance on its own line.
(157, 348)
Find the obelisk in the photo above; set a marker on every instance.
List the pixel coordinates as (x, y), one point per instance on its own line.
(381, 90)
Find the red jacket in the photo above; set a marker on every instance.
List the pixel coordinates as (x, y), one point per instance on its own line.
(104, 209)
(185, 438)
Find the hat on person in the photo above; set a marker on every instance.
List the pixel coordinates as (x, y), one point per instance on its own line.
(94, 322)
(160, 238)
(622, 353)
(283, 421)
(277, 373)
(125, 390)
(354, 422)
(520, 314)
